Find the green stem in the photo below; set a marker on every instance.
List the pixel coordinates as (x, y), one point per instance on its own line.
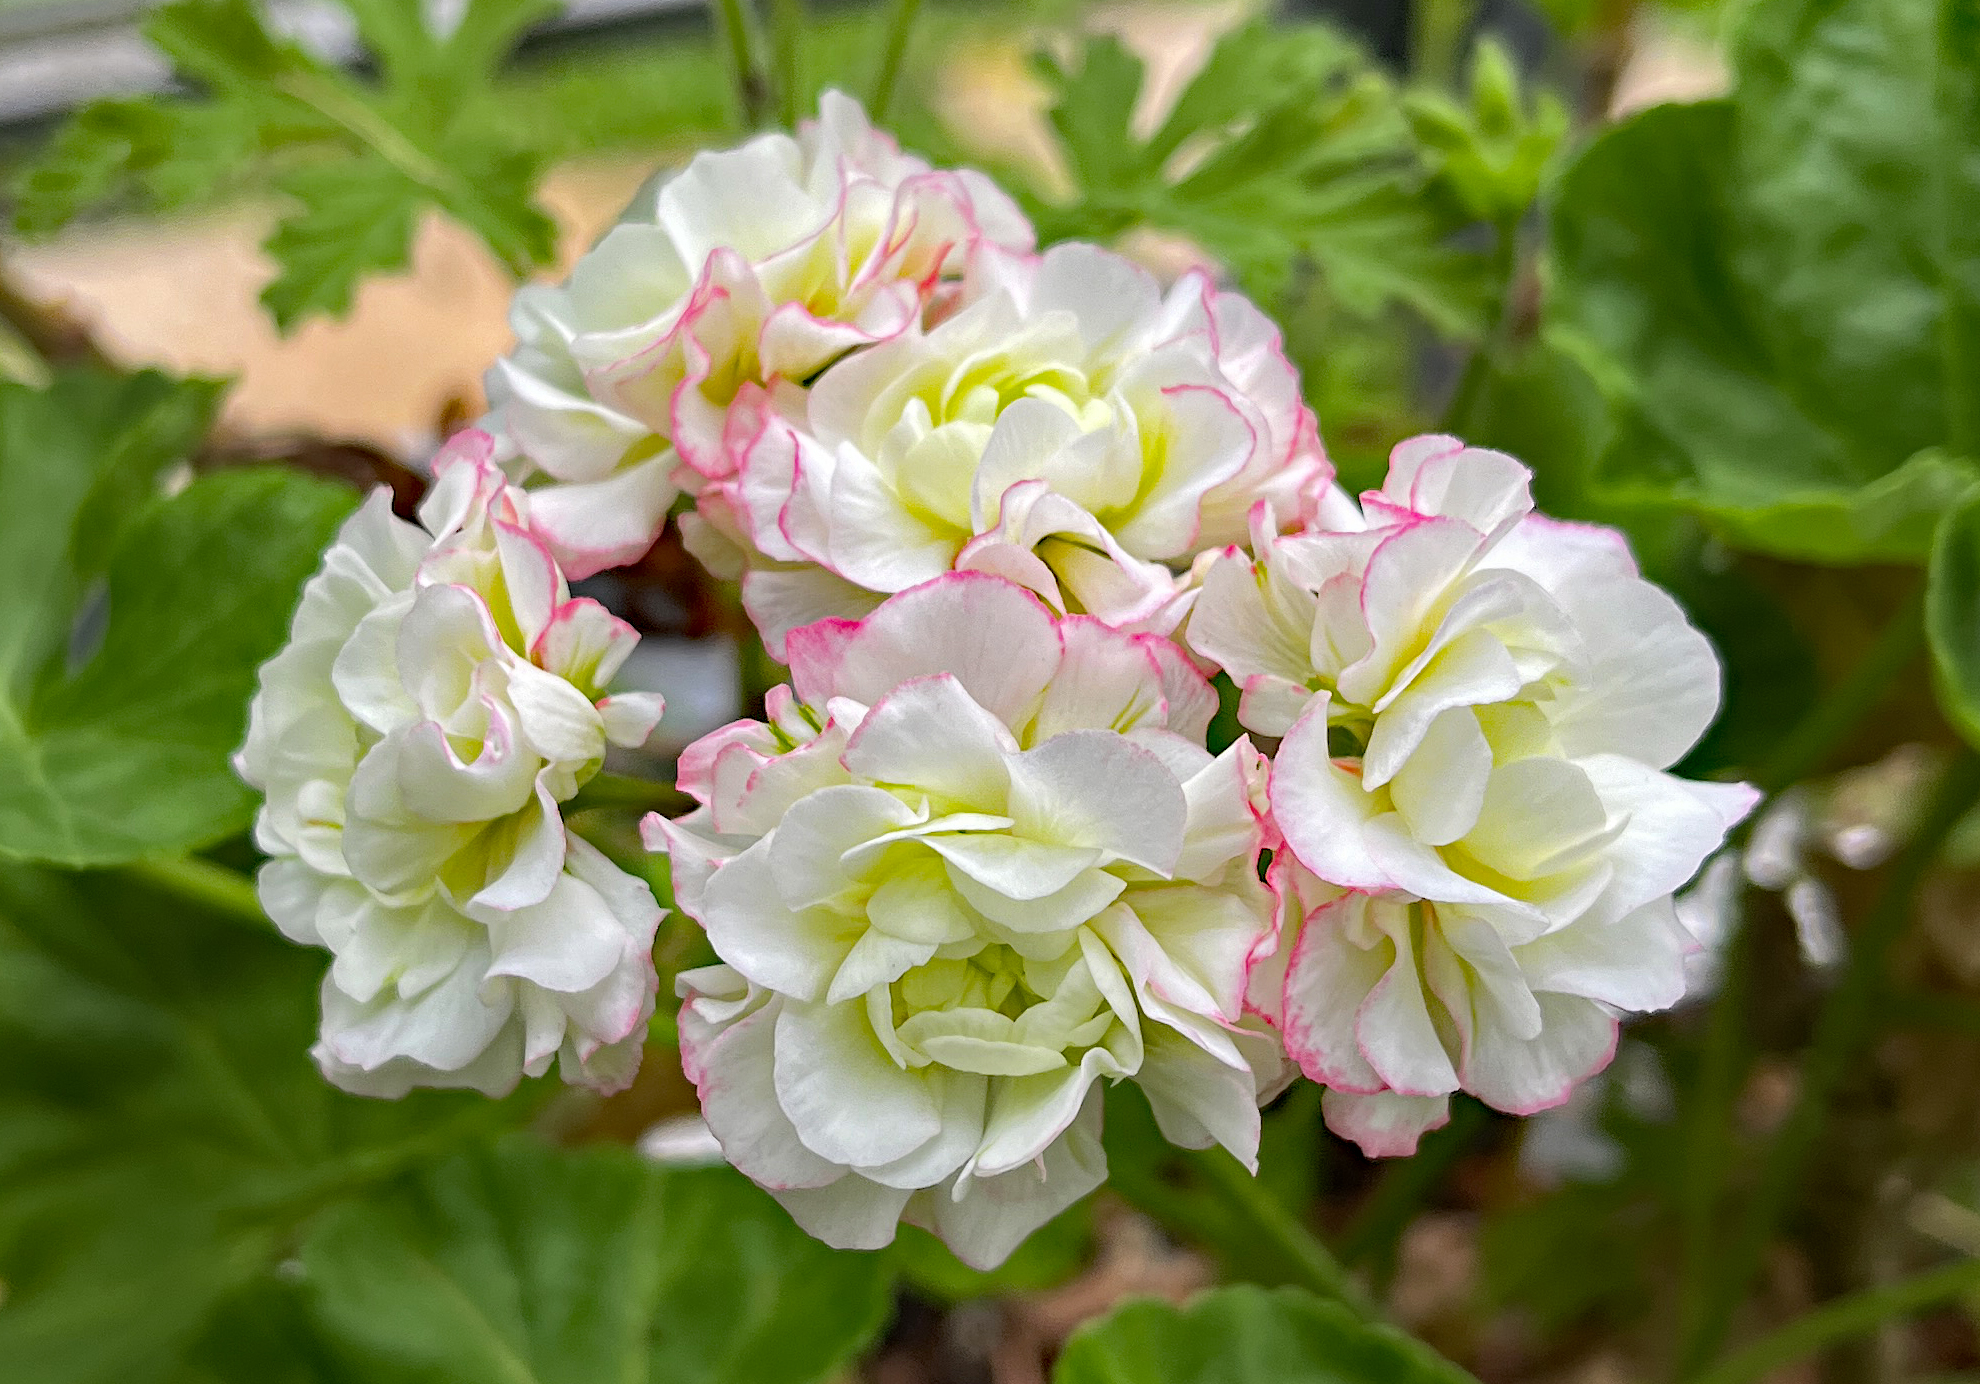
(1854, 1315)
(1459, 417)
(786, 28)
(623, 792)
(1840, 1033)
(1250, 1205)
(1815, 737)
(1707, 1136)
(900, 29)
(215, 888)
(738, 34)
(1438, 29)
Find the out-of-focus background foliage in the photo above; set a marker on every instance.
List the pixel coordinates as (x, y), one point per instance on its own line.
(1713, 269)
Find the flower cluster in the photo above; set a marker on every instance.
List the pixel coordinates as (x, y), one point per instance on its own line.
(977, 861)
(1004, 515)
(746, 273)
(1478, 705)
(442, 692)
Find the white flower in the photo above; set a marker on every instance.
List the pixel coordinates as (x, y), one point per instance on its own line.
(977, 861)
(1071, 428)
(1478, 705)
(440, 695)
(750, 266)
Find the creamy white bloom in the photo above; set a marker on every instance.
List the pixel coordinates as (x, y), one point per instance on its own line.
(751, 266)
(440, 695)
(1478, 705)
(1070, 427)
(977, 862)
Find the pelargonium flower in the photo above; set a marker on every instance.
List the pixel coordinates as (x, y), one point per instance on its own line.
(976, 862)
(1070, 427)
(1478, 707)
(751, 266)
(441, 693)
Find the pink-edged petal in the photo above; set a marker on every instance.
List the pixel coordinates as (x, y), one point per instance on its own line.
(995, 638)
(1393, 1026)
(584, 643)
(1321, 807)
(596, 525)
(734, 1074)
(780, 601)
(1384, 1124)
(928, 732)
(1522, 1077)
(1327, 978)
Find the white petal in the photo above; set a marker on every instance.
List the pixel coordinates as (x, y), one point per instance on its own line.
(1384, 1124)
(849, 1101)
(930, 734)
(1098, 790)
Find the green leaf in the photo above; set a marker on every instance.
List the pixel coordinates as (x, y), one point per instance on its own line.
(357, 218)
(522, 1263)
(1780, 292)
(124, 752)
(1247, 1335)
(1952, 615)
(163, 1133)
(1286, 155)
(361, 157)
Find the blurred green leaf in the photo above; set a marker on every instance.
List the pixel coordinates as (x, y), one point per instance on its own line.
(1287, 149)
(520, 1262)
(110, 754)
(362, 158)
(1247, 1335)
(1492, 153)
(163, 1133)
(1780, 292)
(1952, 615)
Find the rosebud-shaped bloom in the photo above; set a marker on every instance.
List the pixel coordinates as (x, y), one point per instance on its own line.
(1478, 707)
(440, 695)
(751, 265)
(978, 861)
(1072, 429)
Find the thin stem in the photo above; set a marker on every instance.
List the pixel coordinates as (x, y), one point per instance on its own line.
(1708, 1128)
(627, 793)
(738, 32)
(1840, 1033)
(786, 27)
(1804, 749)
(215, 888)
(1250, 1204)
(1854, 1315)
(1828, 723)
(1458, 418)
(900, 29)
